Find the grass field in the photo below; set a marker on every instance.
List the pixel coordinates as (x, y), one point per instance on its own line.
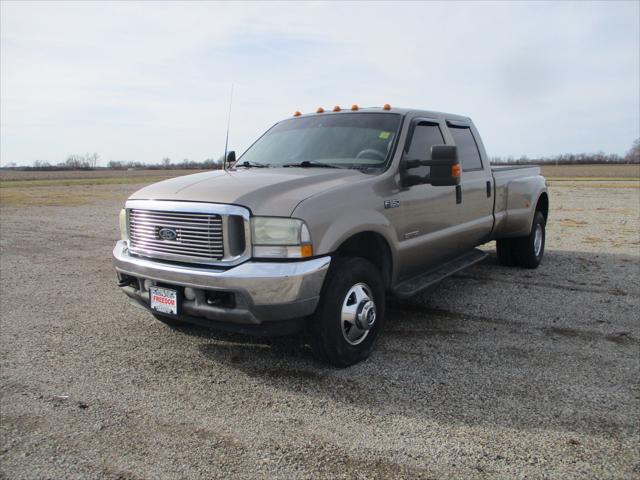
(14, 175)
(52, 188)
(12, 178)
(591, 171)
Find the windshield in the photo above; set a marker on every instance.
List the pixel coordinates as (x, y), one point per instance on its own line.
(354, 140)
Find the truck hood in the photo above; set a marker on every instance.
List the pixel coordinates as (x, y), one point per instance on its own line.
(265, 191)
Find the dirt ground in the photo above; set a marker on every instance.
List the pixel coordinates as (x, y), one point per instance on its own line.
(495, 373)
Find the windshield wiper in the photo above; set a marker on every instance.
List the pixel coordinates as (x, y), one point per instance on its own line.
(310, 164)
(252, 164)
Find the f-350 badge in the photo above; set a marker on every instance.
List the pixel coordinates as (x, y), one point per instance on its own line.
(391, 203)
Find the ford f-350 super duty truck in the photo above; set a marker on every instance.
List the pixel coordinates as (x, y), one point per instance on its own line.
(320, 219)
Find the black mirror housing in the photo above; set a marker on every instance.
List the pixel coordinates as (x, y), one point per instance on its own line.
(231, 157)
(444, 168)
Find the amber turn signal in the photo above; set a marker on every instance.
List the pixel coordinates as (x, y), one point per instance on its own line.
(319, 110)
(386, 106)
(354, 107)
(336, 108)
(306, 251)
(456, 171)
(296, 114)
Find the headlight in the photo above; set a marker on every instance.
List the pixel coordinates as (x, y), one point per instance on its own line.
(123, 224)
(274, 237)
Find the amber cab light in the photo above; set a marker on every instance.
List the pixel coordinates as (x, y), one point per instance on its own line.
(319, 110)
(386, 107)
(354, 107)
(296, 113)
(336, 108)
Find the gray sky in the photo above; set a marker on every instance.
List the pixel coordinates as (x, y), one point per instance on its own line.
(143, 81)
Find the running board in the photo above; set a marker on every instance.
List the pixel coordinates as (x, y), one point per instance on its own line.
(430, 277)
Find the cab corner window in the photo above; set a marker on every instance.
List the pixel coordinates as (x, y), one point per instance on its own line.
(468, 152)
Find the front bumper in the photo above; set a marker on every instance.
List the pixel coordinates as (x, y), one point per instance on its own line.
(262, 291)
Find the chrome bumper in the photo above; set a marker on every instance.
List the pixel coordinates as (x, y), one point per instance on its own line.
(264, 291)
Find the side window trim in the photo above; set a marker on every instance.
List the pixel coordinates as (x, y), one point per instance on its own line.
(455, 124)
(415, 122)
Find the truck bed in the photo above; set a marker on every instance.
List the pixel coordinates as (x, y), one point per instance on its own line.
(506, 168)
(514, 186)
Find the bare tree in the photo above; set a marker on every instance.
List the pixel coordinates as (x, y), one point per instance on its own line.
(633, 156)
(92, 159)
(166, 162)
(40, 164)
(74, 161)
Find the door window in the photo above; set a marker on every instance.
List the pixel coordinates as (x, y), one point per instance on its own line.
(424, 137)
(468, 152)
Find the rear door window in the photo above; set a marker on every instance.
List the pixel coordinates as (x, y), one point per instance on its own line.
(468, 151)
(425, 135)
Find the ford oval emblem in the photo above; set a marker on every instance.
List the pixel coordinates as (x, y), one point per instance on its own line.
(167, 234)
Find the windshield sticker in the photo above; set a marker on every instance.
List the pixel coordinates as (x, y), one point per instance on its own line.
(384, 135)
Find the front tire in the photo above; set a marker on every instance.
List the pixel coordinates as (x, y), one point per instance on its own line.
(350, 314)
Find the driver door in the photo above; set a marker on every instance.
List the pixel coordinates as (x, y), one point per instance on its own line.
(428, 213)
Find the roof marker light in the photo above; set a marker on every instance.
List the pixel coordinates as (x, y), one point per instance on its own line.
(386, 106)
(336, 108)
(319, 110)
(296, 113)
(354, 107)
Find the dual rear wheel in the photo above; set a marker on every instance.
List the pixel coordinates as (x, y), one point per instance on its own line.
(525, 252)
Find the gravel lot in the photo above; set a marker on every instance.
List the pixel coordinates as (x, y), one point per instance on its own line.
(497, 372)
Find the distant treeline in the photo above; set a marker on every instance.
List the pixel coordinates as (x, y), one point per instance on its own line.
(90, 161)
(568, 159)
(632, 156)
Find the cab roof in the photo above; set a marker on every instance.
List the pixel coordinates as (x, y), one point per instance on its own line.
(413, 112)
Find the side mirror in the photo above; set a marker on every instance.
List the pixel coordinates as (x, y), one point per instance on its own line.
(231, 157)
(444, 168)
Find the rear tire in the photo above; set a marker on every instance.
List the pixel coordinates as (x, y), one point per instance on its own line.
(350, 313)
(506, 249)
(530, 249)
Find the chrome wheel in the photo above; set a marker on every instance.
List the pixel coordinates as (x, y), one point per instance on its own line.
(537, 240)
(358, 314)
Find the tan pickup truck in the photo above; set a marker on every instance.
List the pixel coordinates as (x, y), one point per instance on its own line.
(320, 219)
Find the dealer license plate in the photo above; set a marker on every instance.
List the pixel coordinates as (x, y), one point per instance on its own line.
(164, 300)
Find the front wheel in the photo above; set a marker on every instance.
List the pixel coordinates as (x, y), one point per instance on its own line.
(350, 314)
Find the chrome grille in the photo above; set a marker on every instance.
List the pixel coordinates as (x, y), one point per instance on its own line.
(198, 236)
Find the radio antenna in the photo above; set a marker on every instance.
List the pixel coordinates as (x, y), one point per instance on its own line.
(226, 142)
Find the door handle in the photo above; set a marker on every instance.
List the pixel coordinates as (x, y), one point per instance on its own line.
(488, 188)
